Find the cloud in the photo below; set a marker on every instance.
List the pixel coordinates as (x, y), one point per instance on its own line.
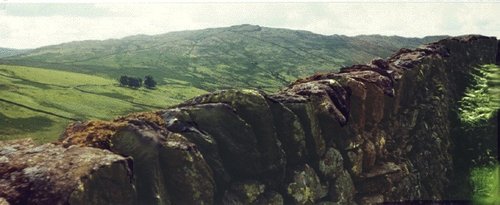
(35, 10)
(30, 25)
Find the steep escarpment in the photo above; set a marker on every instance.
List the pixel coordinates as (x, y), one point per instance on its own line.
(368, 134)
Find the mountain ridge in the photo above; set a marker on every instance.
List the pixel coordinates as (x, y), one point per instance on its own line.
(238, 25)
(213, 57)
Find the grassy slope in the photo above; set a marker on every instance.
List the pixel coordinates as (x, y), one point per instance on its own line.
(238, 56)
(478, 114)
(39, 103)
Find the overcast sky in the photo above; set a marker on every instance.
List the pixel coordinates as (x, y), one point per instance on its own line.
(34, 25)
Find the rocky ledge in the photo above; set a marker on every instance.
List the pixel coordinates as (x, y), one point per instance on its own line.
(52, 174)
(367, 134)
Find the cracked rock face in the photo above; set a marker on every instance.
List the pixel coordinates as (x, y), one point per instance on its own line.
(305, 186)
(252, 107)
(342, 189)
(168, 168)
(51, 174)
(332, 164)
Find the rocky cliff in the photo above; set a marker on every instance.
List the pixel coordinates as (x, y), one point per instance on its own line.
(368, 134)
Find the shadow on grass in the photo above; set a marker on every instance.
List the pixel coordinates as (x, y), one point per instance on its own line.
(16, 125)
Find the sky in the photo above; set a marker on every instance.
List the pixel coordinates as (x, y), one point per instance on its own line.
(31, 25)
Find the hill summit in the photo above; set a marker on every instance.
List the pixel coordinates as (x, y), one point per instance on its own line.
(244, 56)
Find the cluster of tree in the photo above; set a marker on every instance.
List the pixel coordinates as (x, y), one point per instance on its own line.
(136, 82)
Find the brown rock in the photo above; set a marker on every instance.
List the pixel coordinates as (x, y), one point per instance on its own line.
(308, 118)
(3, 201)
(369, 155)
(355, 161)
(243, 192)
(51, 174)
(290, 132)
(342, 189)
(180, 121)
(270, 198)
(236, 141)
(372, 200)
(167, 167)
(252, 107)
(331, 164)
(304, 186)
(386, 168)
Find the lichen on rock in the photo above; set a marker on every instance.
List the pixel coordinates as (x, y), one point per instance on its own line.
(304, 186)
(74, 175)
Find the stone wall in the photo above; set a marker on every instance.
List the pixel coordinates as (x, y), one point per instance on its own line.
(367, 134)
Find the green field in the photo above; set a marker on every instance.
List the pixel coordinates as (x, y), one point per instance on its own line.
(39, 103)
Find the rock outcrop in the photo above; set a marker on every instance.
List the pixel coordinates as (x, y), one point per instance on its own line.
(367, 134)
(51, 174)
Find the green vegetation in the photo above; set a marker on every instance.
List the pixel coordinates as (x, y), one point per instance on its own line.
(39, 103)
(17, 122)
(244, 56)
(482, 100)
(132, 82)
(479, 112)
(149, 82)
(486, 183)
(478, 115)
(135, 82)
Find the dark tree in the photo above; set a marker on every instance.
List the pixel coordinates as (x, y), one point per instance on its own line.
(135, 82)
(124, 80)
(149, 82)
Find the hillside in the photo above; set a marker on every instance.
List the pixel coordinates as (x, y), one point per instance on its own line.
(244, 56)
(39, 103)
(6, 52)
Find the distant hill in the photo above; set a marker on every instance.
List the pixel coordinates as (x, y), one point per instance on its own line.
(6, 52)
(238, 56)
